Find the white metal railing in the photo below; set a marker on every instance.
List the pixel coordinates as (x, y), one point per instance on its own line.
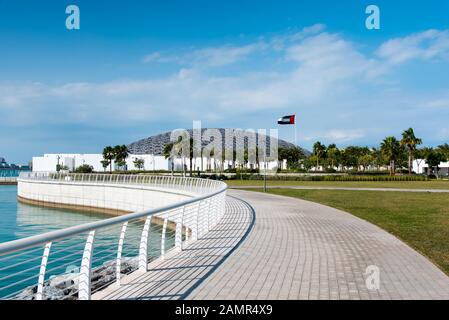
(97, 254)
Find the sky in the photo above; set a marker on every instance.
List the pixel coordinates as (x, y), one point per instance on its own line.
(139, 68)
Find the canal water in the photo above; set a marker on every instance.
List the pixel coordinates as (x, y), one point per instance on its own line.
(18, 220)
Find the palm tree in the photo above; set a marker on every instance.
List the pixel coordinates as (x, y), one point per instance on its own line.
(391, 148)
(409, 141)
(167, 153)
(121, 153)
(332, 154)
(318, 150)
(139, 163)
(178, 151)
(191, 147)
(377, 157)
(444, 149)
(104, 164)
(108, 156)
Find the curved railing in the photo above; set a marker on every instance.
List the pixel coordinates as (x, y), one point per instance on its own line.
(33, 267)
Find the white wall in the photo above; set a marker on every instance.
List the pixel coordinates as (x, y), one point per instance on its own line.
(150, 162)
(116, 197)
(48, 162)
(420, 164)
(72, 160)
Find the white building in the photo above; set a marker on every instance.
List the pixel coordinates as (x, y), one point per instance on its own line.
(72, 161)
(420, 167)
(49, 162)
(151, 150)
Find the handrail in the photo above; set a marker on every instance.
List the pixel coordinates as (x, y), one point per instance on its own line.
(191, 219)
(24, 243)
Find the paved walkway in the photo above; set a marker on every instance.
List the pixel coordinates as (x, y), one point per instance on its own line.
(180, 273)
(343, 188)
(294, 249)
(303, 250)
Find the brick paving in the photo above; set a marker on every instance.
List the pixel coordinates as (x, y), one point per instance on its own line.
(303, 250)
(180, 272)
(295, 249)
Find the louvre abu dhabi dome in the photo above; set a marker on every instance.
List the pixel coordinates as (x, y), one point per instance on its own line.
(155, 144)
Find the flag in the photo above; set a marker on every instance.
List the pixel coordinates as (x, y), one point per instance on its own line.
(287, 120)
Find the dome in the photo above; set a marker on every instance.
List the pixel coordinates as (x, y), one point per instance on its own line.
(155, 144)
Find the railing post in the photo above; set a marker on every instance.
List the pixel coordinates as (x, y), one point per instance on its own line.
(40, 283)
(86, 268)
(178, 230)
(195, 231)
(143, 249)
(208, 214)
(118, 266)
(164, 229)
(185, 228)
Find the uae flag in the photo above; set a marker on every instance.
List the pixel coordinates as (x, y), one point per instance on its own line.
(287, 120)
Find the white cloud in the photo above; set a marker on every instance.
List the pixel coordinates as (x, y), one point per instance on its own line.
(155, 56)
(441, 103)
(225, 55)
(209, 56)
(424, 45)
(337, 135)
(319, 74)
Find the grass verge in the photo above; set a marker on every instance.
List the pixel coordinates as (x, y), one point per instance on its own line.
(431, 184)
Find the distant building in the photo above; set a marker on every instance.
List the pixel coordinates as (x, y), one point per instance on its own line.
(150, 150)
(49, 162)
(3, 163)
(420, 167)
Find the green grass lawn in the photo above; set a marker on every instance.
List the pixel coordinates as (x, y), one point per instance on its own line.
(432, 184)
(419, 219)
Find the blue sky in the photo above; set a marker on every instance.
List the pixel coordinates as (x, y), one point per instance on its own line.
(137, 68)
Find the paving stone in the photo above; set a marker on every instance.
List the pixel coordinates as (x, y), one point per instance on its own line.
(296, 250)
(332, 250)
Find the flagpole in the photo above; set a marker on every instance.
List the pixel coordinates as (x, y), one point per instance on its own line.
(295, 132)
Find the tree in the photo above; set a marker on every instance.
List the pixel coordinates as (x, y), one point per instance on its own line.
(282, 155)
(139, 163)
(433, 159)
(378, 159)
(319, 152)
(167, 152)
(292, 155)
(121, 152)
(104, 164)
(191, 151)
(85, 168)
(365, 160)
(410, 141)
(391, 149)
(309, 162)
(444, 150)
(332, 154)
(108, 156)
(60, 167)
(350, 157)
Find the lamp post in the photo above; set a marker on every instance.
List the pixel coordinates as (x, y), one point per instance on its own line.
(265, 174)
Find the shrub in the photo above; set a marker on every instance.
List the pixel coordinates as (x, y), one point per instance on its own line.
(341, 178)
(85, 168)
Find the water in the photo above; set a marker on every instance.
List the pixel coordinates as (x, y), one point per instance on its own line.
(21, 220)
(10, 172)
